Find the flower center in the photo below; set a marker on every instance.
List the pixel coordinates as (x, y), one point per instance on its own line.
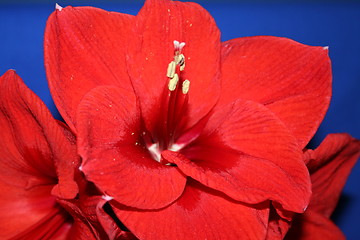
(173, 107)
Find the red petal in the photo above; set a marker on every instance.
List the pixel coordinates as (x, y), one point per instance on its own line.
(330, 166)
(40, 143)
(84, 47)
(292, 79)
(200, 213)
(110, 226)
(81, 229)
(31, 141)
(24, 146)
(250, 156)
(313, 226)
(22, 208)
(277, 227)
(66, 164)
(89, 209)
(90, 219)
(157, 25)
(115, 159)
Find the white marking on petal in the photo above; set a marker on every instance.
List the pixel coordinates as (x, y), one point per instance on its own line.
(326, 47)
(305, 208)
(176, 147)
(107, 197)
(154, 150)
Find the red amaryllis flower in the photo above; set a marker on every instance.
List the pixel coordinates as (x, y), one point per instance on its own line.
(180, 128)
(37, 171)
(329, 165)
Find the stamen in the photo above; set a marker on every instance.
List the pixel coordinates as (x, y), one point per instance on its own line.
(182, 67)
(173, 82)
(171, 69)
(180, 60)
(185, 86)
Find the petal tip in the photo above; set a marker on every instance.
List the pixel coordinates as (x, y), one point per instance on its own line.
(58, 7)
(10, 71)
(68, 190)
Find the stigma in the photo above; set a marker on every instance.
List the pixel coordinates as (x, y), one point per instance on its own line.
(178, 45)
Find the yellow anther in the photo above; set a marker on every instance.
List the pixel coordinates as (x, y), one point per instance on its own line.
(171, 69)
(182, 67)
(185, 86)
(179, 59)
(173, 82)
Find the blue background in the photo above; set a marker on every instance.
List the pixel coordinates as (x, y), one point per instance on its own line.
(324, 23)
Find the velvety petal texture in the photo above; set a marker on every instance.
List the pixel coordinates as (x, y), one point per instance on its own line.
(200, 213)
(247, 153)
(84, 47)
(291, 79)
(114, 157)
(32, 147)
